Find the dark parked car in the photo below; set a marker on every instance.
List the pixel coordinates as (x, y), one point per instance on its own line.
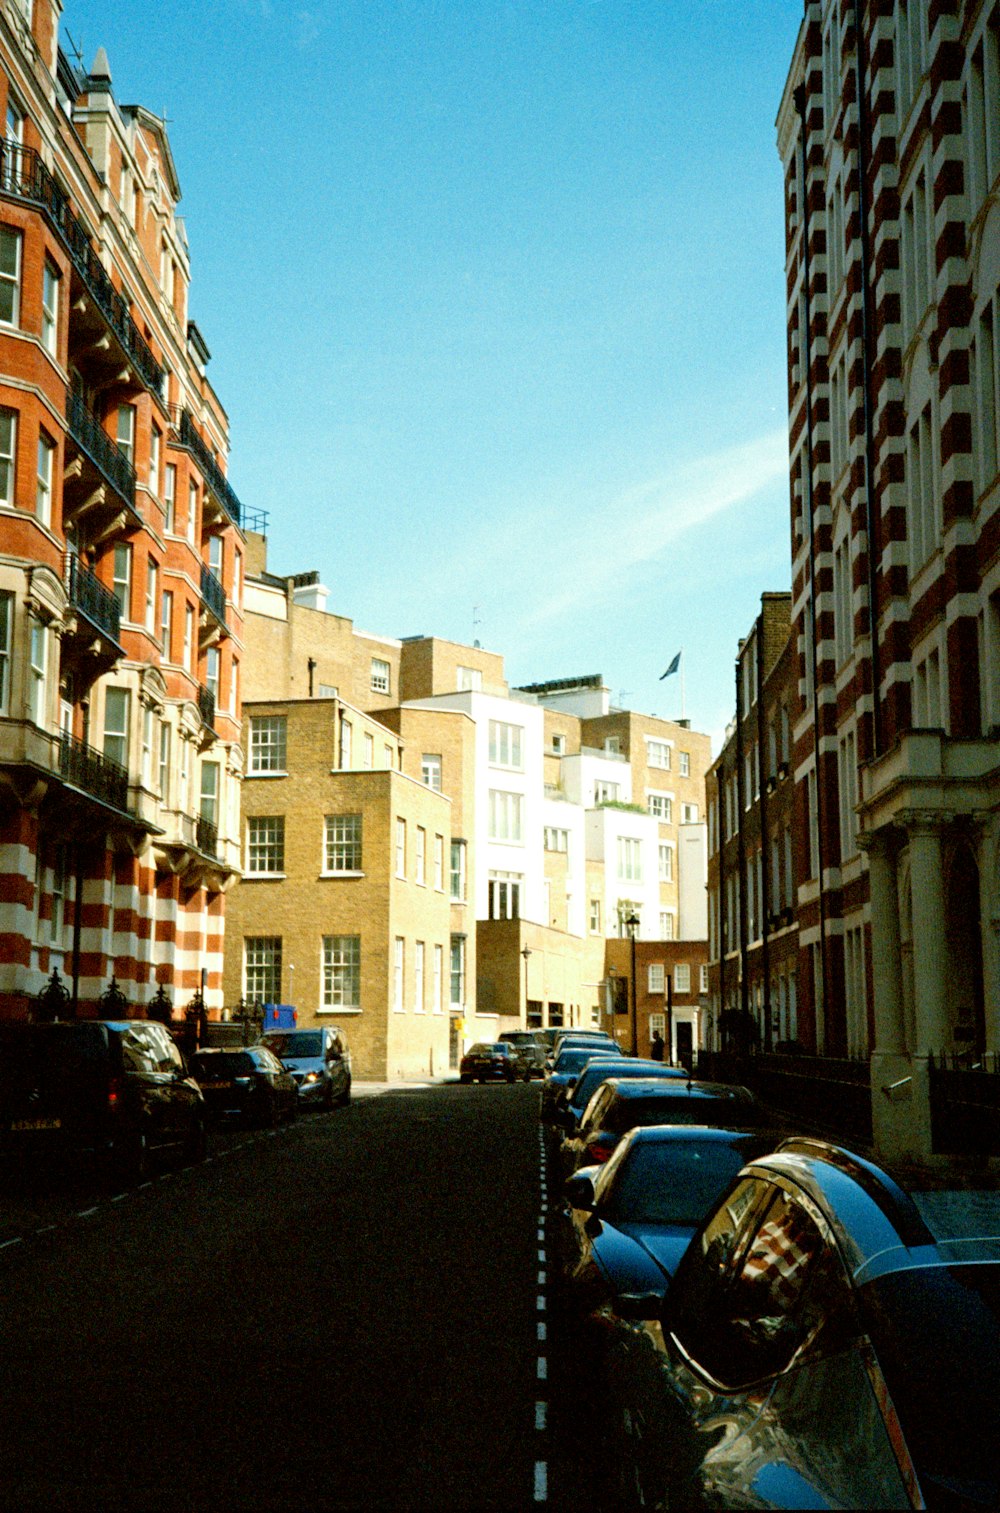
(631, 1220)
(821, 1345)
(622, 1103)
(531, 1051)
(565, 1069)
(117, 1091)
(318, 1059)
(578, 1093)
(250, 1085)
(489, 1061)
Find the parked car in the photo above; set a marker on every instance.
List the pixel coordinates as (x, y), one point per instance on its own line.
(597, 1038)
(489, 1061)
(631, 1220)
(318, 1059)
(530, 1050)
(821, 1345)
(250, 1085)
(566, 1068)
(623, 1103)
(579, 1091)
(115, 1091)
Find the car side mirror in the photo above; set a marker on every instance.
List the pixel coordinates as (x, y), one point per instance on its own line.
(579, 1191)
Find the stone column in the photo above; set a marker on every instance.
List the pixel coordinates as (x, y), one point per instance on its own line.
(930, 952)
(887, 967)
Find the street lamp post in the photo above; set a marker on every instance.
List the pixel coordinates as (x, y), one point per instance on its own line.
(631, 925)
(526, 953)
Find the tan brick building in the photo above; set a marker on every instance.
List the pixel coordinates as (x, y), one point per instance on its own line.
(344, 910)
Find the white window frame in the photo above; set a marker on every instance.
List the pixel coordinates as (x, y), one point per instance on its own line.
(50, 308)
(658, 754)
(430, 770)
(420, 864)
(506, 746)
(419, 954)
(262, 965)
(7, 602)
(381, 676)
(400, 847)
(122, 578)
(399, 975)
(43, 481)
(682, 977)
(506, 817)
(117, 717)
(8, 457)
(10, 278)
(38, 671)
(268, 745)
(342, 972)
(655, 977)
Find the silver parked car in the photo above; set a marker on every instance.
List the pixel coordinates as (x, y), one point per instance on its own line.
(318, 1059)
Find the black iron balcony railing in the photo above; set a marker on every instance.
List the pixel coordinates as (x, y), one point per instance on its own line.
(206, 706)
(25, 176)
(109, 459)
(207, 836)
(92, 771)
(88, 594)
(213, 475)
(213, 595)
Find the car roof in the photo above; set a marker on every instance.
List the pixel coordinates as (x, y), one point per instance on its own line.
(877, 1226)
(669, 1134)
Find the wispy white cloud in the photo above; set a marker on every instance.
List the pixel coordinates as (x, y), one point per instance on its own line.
(596, 555)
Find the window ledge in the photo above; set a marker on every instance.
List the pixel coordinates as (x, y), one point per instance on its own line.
(265, 775)
(344, 874)
(264, 877)
(340, 1009)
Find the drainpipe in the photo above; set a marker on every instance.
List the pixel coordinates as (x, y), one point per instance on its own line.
(765, 864)
(872, 524)
(723, 840)
(800, 103)
(741, 859)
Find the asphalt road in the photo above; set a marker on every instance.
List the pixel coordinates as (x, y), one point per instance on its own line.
(352, 1312)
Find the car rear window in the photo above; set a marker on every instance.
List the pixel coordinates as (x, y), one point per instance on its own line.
(51, 1051)
(225, 1064)
(289, 1047)
(936, 1332)
(675, 1182)
(573, 1059)
(625, 1113)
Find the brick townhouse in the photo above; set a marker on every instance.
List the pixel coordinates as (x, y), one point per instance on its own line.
(121, 554)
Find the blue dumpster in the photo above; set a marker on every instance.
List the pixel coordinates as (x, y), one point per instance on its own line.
(279, 1016)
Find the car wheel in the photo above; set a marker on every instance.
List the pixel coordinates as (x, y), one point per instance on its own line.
(465, 1077)
(345, 1096)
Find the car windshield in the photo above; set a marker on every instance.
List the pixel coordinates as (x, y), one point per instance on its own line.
(625, 1113)
(936, 1332)
(673, 1182)
(292, 1047)
(486, 1048)
(223, 1064)
(591, 1078)
(573, 1059)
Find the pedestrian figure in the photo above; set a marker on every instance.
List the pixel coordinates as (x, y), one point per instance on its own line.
(657, 1048)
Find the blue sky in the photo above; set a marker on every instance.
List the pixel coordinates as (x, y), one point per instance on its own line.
(494, 294)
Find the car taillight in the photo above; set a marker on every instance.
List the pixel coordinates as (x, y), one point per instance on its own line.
(598, 1152)
(115, 1088)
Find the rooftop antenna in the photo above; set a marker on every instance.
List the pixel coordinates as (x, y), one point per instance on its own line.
(477, 619)
(76, 51)
(623, 694)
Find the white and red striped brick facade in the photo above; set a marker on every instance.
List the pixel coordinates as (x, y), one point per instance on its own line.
(121, 555)
(889, 132)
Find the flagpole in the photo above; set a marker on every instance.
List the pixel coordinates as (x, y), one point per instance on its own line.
(682, 683)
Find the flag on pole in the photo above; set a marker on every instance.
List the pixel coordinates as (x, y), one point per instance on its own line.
(672, 668)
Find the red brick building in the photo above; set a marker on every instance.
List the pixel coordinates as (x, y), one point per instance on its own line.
(120, 553)
(670, 987)
(889, 133)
